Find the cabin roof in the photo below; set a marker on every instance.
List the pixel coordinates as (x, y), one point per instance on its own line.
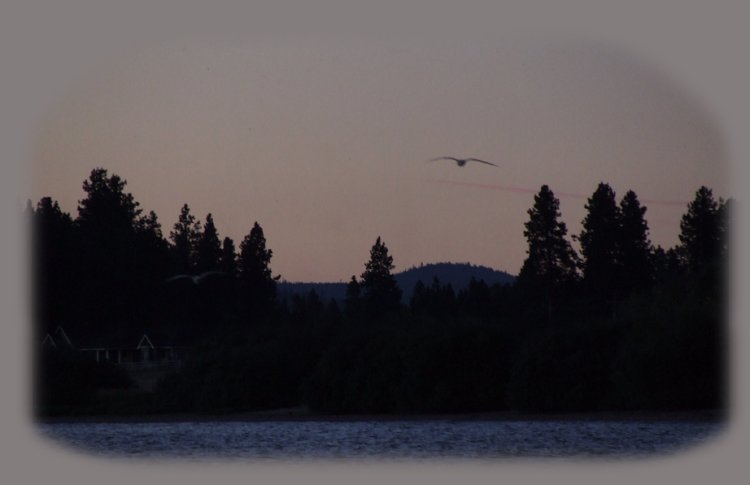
(144, 342)
(123, 339)
(48, 340)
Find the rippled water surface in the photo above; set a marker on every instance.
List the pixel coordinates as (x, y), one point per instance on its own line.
(382, 439)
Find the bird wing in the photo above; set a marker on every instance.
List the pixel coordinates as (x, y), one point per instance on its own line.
(443, 158)
(178, 277)
(482, 161)
(210, 274)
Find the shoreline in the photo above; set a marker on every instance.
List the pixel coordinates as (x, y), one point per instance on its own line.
(301, 415)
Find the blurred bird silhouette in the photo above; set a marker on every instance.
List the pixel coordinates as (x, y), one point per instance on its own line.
(462, 161)
(195, 279)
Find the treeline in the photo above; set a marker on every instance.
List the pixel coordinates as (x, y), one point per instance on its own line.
(620, 325)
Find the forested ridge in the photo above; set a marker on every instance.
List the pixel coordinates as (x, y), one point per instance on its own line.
(618, 325)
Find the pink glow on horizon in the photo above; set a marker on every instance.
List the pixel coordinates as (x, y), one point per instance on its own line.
(525, 190)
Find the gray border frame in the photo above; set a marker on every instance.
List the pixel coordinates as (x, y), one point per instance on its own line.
(45, 47)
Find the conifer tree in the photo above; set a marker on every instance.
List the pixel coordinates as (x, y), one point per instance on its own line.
(228, 260)
(107, 211)
(701, 231)
(255, 272)
(602, 266)
(149, 224)
(379, 286)
(208, 251)
(551, 262)
(185, 236)
(52, 245)
(550, 259)
(635, 247)
(153, 249)
(107, 251)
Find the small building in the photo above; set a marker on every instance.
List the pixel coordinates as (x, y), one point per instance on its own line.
(132, 352)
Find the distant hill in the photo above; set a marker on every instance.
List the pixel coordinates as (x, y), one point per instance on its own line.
(457, 274)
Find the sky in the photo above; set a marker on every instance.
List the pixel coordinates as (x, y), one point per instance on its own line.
(326, 143)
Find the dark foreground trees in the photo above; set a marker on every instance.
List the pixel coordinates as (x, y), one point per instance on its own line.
(536, 346)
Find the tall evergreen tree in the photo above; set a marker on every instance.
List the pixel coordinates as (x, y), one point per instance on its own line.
(53, 277)
(153, 249)
(149, 224)
(107, 212)
(701, 231)
(550, 259)
(208, 251)
(228, 259)
(551, 263)
(111, 284)
(635, 247)
(254, 268)
(381, 292)
(602, 266)
(185, 237)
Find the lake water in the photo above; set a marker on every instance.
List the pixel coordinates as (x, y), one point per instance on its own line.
(304, 440)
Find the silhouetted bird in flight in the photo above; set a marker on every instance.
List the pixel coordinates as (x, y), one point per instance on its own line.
(196, 280)
(462, 161)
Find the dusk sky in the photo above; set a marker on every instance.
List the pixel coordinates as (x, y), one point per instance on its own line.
(326, 144)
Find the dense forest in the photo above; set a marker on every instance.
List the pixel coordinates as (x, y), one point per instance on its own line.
(457, 275)
(618, 325)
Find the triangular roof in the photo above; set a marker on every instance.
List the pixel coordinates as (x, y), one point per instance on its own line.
(48, 340)
(62, 336)
(119, 338)
(146, 340)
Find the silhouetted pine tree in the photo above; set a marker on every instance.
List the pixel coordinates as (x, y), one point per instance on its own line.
(228, 260)
(701, 231)
(184, 236)
(53, 277)
(635, 247)
(380, 290)
(107, 211)
(601, 262)
(208, 251)
(110, 285)
(258, 285)
(153, 249)
(704, 247)
(551, 262)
